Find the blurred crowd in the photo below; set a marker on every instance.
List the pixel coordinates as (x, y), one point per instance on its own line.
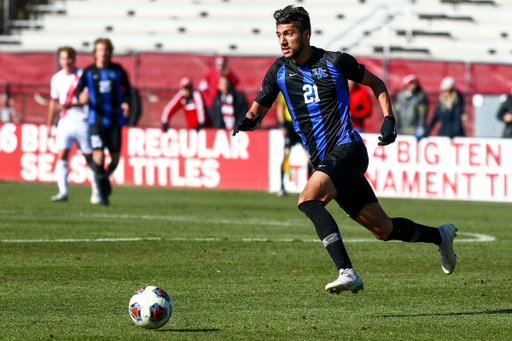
(216, 102)
(103, 100)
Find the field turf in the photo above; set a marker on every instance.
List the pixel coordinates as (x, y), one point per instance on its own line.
(242, 266)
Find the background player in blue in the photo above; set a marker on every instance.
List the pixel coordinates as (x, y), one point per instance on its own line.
(108, 97)
(314, 85)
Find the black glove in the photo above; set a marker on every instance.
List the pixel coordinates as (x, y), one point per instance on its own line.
(165, 126)
(247, 124)
(388, 131)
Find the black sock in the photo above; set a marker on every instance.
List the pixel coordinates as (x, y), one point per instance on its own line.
(111, 168)
(408, 231)
(98, 170)
(327, 231)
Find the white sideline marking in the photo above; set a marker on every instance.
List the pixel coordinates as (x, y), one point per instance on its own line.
(252, 221)
(478, 238)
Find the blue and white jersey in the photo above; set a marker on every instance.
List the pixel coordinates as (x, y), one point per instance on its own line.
(317, 96)
(108, 88)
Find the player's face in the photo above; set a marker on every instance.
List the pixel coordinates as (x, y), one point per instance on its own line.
(102, 54)
(186, 91)
(290, 39)
(412, 86)
(223, 85)
(65, 62)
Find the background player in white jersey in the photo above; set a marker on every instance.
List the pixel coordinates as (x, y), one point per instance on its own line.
(72, 125)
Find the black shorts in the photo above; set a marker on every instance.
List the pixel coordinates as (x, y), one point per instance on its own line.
(109, 137)
(292, 138)
(346, 165)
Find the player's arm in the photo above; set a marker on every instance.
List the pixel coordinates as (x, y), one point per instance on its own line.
(53, 109)
(81, 94)
(280, 111)
(388, 129)
(125, 84)
(380, 91)
(505, 112)
(268, 94)
(252, 119)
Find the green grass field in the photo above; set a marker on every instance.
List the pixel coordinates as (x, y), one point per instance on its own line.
(242, 266)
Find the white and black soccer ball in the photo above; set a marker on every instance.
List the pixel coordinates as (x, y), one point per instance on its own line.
(150, 307)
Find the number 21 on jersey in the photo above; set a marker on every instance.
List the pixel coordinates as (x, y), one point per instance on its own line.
(310, 93)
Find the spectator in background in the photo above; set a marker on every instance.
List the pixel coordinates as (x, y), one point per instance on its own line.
(191, 102)
(229, 105)
(411, 108)
(360, 105)
(208, 85)
(505, 115)
(449, 111)
(7, 112)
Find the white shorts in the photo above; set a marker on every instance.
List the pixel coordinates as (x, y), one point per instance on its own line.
(69, 131)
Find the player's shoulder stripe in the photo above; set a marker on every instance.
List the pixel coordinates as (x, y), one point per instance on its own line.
(279, 62)
(116, 66)
(56, 75)
(332, 55)
(88, 69)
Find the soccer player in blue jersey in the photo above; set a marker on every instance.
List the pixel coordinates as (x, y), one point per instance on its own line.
(108, 92)
(314, 84)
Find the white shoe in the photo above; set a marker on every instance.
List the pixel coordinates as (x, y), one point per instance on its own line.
(95, 198)
(448, 256)
(60, 197)
(348, 280)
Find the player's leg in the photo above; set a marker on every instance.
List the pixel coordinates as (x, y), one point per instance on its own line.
(319, 191)
(114, 146)
(82, 138)
(95, 188)
(114, 162)
(98, 159)
(285, 169)
(61, 173)
(373, 218)
(63, 142)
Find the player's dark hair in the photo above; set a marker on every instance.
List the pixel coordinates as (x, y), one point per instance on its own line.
(293, 15)
(69, 50)
(104, 41)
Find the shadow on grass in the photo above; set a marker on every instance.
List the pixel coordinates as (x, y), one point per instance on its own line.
(188, 330)
(487, 312)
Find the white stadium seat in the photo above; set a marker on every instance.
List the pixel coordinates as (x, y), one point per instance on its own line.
(442, 29)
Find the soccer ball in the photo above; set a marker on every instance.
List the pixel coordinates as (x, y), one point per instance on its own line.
(150, 307)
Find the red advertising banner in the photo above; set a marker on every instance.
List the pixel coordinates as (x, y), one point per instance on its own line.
(441, 168)
(435, 167)
(209, 158)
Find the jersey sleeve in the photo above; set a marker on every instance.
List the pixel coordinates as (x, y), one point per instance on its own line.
(171, 107)
(269, 88)
(125, 84)
(54, 92)
(82, 83)
(350, 67)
